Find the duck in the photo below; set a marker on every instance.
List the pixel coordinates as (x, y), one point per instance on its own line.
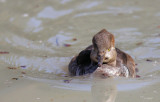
(102, 57)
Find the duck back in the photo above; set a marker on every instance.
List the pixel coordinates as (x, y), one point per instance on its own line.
(123, 59)
(82, 64)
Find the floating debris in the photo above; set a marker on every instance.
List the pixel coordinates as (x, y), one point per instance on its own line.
(67, 45)
(138, 76)
(4, 52)
(148, 60)
(158, 26)
(51, 100)
(23, 66)
(12, 67)
(74, 39)
(44, 56)
(23, 72)
(67, 81)
(14, 78)
(137, 70)
(139, 43)
(65, 76)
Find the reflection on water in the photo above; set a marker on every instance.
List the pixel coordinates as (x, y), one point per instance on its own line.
(102, 91)
(44, 35)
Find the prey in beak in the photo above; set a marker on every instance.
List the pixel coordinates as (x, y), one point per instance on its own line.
(101, 56)
(100, 60)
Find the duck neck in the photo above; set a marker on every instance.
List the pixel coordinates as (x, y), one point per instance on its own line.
(112, 61)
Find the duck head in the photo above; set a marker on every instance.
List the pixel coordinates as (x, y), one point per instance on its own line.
(104, 48)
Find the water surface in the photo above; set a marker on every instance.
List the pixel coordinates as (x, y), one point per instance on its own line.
(38, 38)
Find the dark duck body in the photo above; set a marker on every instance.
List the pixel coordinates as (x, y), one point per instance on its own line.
(103, 57)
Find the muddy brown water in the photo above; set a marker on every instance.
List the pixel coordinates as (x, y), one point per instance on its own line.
(38, 38)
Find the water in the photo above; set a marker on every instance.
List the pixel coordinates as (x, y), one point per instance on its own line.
(41, 37)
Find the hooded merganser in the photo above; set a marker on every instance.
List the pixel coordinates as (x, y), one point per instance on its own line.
(102, 56)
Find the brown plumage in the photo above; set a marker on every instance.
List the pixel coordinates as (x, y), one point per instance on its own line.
(102, 57)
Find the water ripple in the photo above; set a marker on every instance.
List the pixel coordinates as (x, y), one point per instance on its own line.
(54, 65)
(51, 13)
(111, 10)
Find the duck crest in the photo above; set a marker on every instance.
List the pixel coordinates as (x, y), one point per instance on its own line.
(103, 39)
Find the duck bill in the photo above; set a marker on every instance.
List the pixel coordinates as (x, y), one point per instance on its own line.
(100, 60)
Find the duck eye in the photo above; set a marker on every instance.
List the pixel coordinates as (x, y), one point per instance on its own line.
(109, 49)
